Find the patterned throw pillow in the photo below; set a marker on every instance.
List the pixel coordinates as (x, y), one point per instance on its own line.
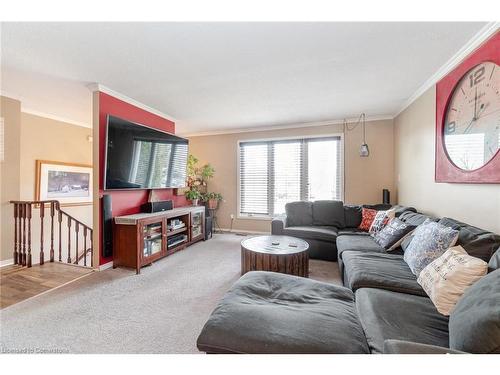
(391, 236)
(381, 220)
(447, 277)
(430, 240)
(368, 215)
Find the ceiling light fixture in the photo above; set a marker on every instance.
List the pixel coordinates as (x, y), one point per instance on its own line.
(364, 151)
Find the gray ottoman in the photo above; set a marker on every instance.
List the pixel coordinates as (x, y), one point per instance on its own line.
(267, 312)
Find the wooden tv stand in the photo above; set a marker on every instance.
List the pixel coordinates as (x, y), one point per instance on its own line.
(141, 239)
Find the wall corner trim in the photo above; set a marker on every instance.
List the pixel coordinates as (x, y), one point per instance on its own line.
(488, 30)
(93, 87)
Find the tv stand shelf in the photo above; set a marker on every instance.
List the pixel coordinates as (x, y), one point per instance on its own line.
(141, 239)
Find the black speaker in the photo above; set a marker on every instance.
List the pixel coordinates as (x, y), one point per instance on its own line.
(208, 227)
(159, 206)
(107, 226)
(386, 196)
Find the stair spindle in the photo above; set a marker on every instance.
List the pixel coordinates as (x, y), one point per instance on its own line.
(42, 214)
(69, 240)
(85, 246)
(28, 214)
(52, 212)
(59, 218)
(16, 211)
(24, 235)
(77, 229)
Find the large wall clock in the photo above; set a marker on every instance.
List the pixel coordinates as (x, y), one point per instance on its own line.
(468, 119)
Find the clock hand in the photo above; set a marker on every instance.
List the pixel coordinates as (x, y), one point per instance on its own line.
(469, 126)
(475, 105)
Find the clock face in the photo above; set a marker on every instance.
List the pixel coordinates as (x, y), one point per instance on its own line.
(472, 122)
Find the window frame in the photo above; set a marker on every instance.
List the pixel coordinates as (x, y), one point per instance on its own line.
(239, 216)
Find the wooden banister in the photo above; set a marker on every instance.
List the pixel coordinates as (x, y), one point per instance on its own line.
(23, 234)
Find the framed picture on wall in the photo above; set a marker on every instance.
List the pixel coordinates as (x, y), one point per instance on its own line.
(68, 183)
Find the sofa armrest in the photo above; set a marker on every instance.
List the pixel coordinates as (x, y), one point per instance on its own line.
(409, 347)
(277, 225)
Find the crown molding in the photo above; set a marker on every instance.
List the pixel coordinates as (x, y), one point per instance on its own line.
(54, 117)
(101, 88)
(283, 127)
(488, 30)
(10, 95)
(35, 112)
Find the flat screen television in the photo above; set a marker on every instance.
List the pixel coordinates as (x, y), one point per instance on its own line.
(139, 157)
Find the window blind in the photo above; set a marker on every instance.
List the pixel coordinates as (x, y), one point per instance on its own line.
(272, 173)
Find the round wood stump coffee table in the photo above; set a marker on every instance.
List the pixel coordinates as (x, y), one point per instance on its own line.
(282, 254)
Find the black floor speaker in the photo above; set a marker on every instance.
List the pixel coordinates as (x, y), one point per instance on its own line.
(386, 196)
(107, 226)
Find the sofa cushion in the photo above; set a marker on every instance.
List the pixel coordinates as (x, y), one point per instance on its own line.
(398, 210)
(477, 242)
(328, 212)
(430, 241)
(266, 312)
(357, 243)
(414, 218)
(494, 263)
(352, 215)
(390, 315)
(379, 270)
(298, 213)
(368, 216)
(353, 231)
(393, 234)
(475, 321)
(381, 220)
(447, 278)
(323, 233)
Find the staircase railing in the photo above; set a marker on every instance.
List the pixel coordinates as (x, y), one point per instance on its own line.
(61, 247)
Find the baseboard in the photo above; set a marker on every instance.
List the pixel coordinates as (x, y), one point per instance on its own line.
(236, 231)
(6, 262)
(105, 266)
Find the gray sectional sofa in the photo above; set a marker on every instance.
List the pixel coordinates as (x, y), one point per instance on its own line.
(380, 309)
(321, 222)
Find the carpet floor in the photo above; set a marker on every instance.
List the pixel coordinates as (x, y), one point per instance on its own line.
(115, 311)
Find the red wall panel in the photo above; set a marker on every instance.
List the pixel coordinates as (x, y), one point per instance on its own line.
(127, 202)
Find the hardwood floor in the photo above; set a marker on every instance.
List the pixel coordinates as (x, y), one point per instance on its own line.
(20, 283)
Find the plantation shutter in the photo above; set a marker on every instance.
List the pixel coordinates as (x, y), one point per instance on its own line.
(273, 173)
(254, 168)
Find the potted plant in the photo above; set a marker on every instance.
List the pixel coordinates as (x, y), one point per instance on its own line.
(212, 200)
(197, 177)
(193, 195)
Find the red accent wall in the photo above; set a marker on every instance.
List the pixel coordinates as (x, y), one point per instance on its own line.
(127, 202)
(445, 170)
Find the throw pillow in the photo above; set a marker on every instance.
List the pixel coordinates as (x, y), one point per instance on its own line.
(391, 236)
(368, 215)
(381, 220)
(430, 240)
(446, 278)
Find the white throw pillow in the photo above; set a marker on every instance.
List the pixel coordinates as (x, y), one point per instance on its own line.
(447, 277)
(381, 220)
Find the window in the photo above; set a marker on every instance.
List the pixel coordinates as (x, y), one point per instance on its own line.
(272, 173)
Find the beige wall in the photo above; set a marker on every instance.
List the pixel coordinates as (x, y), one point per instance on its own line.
(47, 139)
(365, 177)
(9, 172)
(28, 138)
(414, 137)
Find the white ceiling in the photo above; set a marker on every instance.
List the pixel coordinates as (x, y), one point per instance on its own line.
(222, 76)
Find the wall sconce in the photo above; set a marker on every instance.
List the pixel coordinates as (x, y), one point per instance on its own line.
(364, 151)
